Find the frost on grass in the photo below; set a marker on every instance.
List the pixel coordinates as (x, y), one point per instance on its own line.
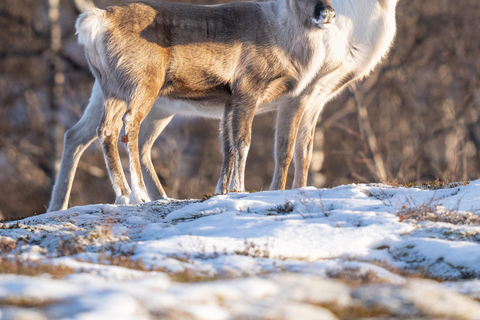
(348, 252)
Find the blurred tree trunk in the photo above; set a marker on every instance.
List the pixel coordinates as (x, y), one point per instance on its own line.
(83, 5)
(375, 163)
(316, 177)
(56, 82)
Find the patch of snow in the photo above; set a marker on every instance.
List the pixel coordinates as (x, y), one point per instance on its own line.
(310, 251)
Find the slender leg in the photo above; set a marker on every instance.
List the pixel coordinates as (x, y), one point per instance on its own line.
(75, 141)
(228, 156)
(241, 135)
(108, 132)
(138, 109)
(150, 129)
(304, 146)
(288, 119)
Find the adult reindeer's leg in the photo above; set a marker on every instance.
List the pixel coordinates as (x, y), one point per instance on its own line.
(288, 119)
(304, 145)
(151, 127)
(243, 111)
(75, 141)
(108, 132)
(228, 156)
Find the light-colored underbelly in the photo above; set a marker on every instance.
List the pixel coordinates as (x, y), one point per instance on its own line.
(188, 108)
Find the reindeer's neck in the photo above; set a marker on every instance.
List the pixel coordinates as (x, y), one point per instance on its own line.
(364, 30)
(287, 25)
(295, 39)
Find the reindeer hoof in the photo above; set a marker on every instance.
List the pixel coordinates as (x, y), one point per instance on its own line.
(125, 138)
(138, 198)
(123, 199)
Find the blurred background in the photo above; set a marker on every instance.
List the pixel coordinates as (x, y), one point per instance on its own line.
(415, 119)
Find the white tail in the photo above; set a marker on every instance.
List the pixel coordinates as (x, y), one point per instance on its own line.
(91, 26)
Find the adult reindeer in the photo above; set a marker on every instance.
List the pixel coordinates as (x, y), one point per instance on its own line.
(346, 52)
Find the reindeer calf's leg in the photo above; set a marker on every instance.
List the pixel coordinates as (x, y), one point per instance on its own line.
(108, 132)
(137, 111)
(75, 141)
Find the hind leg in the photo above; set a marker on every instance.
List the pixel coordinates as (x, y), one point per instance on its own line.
(75, 141)
(137, 110)
(108, 133)
(150, 129)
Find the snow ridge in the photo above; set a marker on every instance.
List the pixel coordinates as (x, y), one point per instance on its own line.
(352, 240)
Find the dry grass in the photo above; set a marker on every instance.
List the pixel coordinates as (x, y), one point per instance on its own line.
(103, 232)
(251, 249)
(22, 302)
(430, 185)
(355, 276)
(68, 247)
(208, 196)
(7, 244)
(305, 200)
(21, 266)
(431, 210)
(285, 208)
(6, 226)
(359, 311)
(4, 221)
(188, 275)
(418, 272)
(126, 261)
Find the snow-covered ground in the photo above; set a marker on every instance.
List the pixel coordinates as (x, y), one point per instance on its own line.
(340, 253)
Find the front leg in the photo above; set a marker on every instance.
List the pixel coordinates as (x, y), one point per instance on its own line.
(304, 145)
(227, 151)
(243, 111)
(289, 115)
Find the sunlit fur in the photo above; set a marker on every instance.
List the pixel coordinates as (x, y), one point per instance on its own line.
(347, 51)
(361, 36)
(242, 55)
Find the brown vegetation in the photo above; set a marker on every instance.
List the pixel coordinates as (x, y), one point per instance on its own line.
(17, 265)
(432, 210)
(412, 272)
(355, 276)
(251, 249)
(285, 208)
(7, 244)
(69, 247)
(126, 261)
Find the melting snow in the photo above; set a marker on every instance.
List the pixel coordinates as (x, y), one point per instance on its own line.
(298, 254)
